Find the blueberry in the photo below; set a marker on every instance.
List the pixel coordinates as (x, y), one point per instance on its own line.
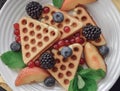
(58, 17)
(66, 52)
(15, 46)
(104, 50)
(49, 81)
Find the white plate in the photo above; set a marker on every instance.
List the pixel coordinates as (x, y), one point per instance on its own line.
(104, 13)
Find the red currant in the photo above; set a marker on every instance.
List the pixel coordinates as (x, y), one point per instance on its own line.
(67, 42)
(72, 41)
(16, 26)
(67, 29)
(82, 41)
(61, 43)
(17, 32)
(46, 10)
(37, 63)
(17, 38)
(56, 46)
(77, 39)
(82, 61)
(77, 34)
(31, 64)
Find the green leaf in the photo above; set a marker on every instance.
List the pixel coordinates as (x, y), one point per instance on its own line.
(71, 85)
(58, 3)
(13, 59)
(92, 74)
(90, 85)
(81, 82)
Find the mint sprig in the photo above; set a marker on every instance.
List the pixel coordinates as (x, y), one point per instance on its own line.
(13, 59)
(86, 79)
(58, 3)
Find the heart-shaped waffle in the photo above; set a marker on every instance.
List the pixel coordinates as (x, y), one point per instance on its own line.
(65, 69)
(36, 37)
(83, 16)
(68, 21)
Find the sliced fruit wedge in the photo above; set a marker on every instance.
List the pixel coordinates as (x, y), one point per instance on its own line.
(30, 75)
(93, 59)
(71, 4)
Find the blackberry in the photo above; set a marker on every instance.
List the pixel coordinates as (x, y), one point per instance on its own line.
(34, 9)
(47, 61)
(91, 32)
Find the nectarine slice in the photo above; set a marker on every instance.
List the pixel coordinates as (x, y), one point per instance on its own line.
(30, 75)
(93, 59)
(71, 4)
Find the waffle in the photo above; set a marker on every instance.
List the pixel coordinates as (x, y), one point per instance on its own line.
(69, 21)
(83, 16)
(65, 69)
(36, 37)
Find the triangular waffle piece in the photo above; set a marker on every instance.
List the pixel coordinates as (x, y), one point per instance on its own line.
(69, 21)
(83, 16)
(36, 37)
(65, 69)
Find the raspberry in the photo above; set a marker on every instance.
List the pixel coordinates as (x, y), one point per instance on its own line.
(67, 42)
(77, 39)
(72, 41)
(91, 32)
(82, 41)
(34, 9)
(47, 61)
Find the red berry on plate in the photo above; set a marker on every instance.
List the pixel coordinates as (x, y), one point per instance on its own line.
(82, 61)
(37, 63)
(67, 42)
(46, 10)
(17, 32)
(82, 40)
(77, 39)
(67, 29)
(17, 38)
(77, 34)
(16, 26)
(61, 43)
(56, 46)
(72, 41)
(31, 64)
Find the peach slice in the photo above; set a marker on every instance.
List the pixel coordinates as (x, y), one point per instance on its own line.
(93, 59)
(30, 75)
(70, 4)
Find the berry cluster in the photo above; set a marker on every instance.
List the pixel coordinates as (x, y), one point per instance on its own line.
(17, 32)
(71, 40)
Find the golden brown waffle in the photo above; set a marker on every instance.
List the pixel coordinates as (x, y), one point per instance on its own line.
(83, 16)
(36, 37)
(65, 69)
(69, 21)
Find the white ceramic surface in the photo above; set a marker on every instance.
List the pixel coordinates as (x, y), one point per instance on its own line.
(104, 13)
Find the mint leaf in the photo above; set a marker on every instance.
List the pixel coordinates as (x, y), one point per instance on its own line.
(58, 3)
(90, 85)
(13, 59)
(73, 84)
(81, 82)
(92, 74)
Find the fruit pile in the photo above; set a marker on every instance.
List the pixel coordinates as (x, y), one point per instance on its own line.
(62, 46)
